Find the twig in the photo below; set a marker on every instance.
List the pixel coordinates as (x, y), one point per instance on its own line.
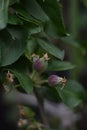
(40, 101)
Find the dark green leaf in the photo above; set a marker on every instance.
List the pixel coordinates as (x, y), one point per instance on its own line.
(55, 65)
(24, 15)
(52, 9)
(12, 45)
(20, 69)
(50, 93)
(72, 94)
(14, 20)
(13, 2)
(51, 30)
(50, 48)
(22, 65)
(33, 29)
(71, 41)
(31, 47)
(3, 13)
(24, 81)
(34, 9)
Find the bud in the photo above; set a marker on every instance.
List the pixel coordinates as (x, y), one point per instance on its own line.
(9, 77)
(40, 64)
(22, 122)
(54, 80)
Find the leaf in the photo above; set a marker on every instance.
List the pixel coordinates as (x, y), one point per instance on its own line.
(52, 9)
(51, 30)
(3, 13)
(33, 29)
(31, 47)
(12, 45)
(50, 48)
(71, 41)
(14, 20)
(20, 69)
(49, 93)
(22, 65)
(24, 81)
(32, 24)
(24, 15)
(13, 2)
(72, 94)
(55, 65)
(34, 9)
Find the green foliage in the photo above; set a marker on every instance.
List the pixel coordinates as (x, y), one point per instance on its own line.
(27, 29)
(24, 81)
(72, 93)
(30, 27)
(56, 65)
(51, 8)
(51, 49)
(12, 45)
(3, 13)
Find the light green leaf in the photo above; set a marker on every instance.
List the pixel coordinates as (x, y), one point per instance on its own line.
(55, 65)
(3, 13)
(50, 48)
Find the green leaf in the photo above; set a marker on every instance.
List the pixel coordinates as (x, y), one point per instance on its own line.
(3, 13)
(22, 65)
(52, 9)
(33, 29)
(55, 65)
(31, 47)
(50, 48)
(14, 20)
(50, 93)
(51, 30)
(25, 15)
(34, 9)
(71, 41)
(12, 45)
(20, 69)
(13, 2)
(24, 81)
(72, 94)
